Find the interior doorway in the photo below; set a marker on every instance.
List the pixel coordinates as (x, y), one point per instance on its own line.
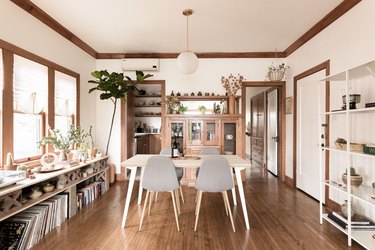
(305, 139)
(264, 121)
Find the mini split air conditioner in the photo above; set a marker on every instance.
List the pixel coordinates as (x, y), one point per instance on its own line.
(143, 64)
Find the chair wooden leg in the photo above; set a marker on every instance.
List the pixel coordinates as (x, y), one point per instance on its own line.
(177, 201)
(150, 201)
(229, 210)
(225, 203)
(196, 197)
(198, 209)
(175, 211)
(143, 211)
(156, 196)
(182, 195)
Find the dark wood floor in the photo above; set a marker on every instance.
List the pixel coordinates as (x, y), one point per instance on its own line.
(280, 218)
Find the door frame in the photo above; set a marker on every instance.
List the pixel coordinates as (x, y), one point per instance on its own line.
(281, 85)
(278, 128)
(322, 66)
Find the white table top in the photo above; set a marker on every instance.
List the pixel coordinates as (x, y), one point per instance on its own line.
(140, 160)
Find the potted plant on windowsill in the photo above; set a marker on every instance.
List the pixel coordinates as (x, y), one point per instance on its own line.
(115, 86)
(276, 73)
(60, 142)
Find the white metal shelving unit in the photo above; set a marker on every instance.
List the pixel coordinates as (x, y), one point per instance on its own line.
(362, 193)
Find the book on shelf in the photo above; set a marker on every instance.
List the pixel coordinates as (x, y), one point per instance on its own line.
(359, 222)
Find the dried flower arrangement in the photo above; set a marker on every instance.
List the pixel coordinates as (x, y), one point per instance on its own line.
(232, 84)
(172, 103)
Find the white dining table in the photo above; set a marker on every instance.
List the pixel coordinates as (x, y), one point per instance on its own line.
(140, 160)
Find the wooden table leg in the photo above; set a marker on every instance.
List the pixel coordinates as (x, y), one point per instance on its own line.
(242, 197)
(129, 194)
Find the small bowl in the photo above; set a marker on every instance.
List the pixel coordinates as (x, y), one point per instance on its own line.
(355, 180)
(48, 188)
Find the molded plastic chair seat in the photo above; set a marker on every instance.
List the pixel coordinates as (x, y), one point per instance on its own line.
(179, 171)
(160, 176)
(215, 176)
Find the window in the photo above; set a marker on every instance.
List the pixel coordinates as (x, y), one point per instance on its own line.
(65, 101)
(27, 114)
(30, 88)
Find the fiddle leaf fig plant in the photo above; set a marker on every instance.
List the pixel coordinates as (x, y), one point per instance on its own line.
(115, 86)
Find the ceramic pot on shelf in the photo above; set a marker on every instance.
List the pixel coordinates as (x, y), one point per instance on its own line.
(344, 209)
(35, 193)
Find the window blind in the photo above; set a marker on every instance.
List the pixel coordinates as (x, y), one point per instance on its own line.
(30, 86)
(65, 94)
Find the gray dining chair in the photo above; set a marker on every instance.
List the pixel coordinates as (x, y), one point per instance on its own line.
(208, 151)
(214, 177)
(179, 171)
(160, 176)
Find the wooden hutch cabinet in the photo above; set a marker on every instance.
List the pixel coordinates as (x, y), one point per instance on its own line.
(194, 132)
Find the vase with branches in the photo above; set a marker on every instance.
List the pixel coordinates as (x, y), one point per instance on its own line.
(232, 83)
(115, 86)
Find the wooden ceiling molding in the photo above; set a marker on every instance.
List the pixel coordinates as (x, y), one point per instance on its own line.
(38, 13)
(331, 17)
(200, 55)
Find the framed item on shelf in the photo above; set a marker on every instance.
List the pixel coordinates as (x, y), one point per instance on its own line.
(289, 105)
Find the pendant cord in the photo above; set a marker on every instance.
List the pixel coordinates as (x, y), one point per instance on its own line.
(187, 32)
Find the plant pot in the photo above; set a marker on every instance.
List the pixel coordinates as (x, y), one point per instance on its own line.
(63, 156)
(232, 105)
(276, 75)
(35, 193)
(355, 180)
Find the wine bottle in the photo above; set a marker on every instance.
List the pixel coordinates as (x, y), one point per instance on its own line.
(174, 148)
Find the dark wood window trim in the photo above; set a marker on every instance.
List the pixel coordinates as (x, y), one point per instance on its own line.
(9, 50)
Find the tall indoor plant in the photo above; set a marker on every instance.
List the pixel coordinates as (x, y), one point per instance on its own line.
(115, 86)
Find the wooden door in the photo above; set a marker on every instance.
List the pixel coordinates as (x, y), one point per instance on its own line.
(257, 132)
(155, 143)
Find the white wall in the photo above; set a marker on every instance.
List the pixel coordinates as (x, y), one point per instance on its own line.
(347, 42)
(25, 31)
(205, 79)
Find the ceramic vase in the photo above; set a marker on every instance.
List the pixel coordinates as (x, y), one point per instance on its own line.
(63, 156)
(344, 209)
(232, 104)
(35, 193)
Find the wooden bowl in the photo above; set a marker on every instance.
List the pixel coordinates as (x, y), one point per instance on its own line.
(355, 180)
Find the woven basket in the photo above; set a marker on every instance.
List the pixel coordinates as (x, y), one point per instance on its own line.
(355, 180)
(354, 147)
(276, 75)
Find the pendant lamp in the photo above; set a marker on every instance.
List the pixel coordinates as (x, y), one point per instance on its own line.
(187, 61)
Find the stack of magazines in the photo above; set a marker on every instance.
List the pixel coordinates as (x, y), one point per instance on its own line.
(358, 222)
(27, 228)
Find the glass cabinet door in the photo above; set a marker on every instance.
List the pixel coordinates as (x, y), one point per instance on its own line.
(177, 132)
(195, 132)
(230, 137)
(210, 133)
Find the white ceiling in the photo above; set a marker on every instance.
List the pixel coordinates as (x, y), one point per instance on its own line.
(126, 26)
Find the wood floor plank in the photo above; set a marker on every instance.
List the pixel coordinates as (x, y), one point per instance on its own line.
(280, 218)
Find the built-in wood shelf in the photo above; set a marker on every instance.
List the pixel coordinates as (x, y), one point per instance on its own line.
(148, 106)
(147, 96)
(147, 115)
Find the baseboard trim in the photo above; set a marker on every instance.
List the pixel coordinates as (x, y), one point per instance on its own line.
(289, 181)
(121, 176)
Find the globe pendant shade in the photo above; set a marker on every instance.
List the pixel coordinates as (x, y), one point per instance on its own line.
(187, 62)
